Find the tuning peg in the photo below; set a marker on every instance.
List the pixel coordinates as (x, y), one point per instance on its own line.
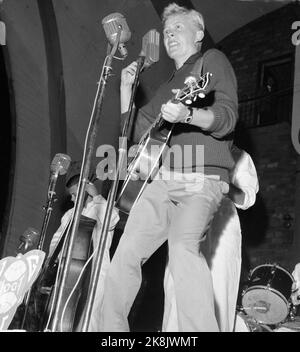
(188, 102)
(201, 95)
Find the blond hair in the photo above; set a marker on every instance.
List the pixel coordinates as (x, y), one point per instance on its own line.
(174, 9)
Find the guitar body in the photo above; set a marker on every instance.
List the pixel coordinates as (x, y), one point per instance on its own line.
(153, 148)
(81, 251)
(150, 153)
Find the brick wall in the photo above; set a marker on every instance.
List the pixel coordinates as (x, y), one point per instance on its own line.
(268, 226)
(265, 38)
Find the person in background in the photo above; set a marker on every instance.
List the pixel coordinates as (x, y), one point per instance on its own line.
(94, 207)
(296, 286)
(222, 247)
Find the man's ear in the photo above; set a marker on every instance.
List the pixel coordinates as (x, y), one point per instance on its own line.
(199, 35)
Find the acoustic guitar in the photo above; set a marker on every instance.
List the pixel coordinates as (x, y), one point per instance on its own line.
(153, 146)
(46, 282)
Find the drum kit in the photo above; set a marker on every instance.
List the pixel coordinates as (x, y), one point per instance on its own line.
(266, 302)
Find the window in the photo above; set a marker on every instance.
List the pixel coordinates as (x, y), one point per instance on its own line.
(275, 91)
(274, 95)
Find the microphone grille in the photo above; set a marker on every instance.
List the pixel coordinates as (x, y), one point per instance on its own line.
(30, 236)
(60, 163)
(111, 26)
(150, 45)
(2, 33)
(112, 23)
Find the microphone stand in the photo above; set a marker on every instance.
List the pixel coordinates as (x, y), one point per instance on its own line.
(110, 202)
(84, 174)
(49, 208)
(51, 199)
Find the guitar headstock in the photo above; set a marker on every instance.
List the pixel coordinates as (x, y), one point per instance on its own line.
(194, 89)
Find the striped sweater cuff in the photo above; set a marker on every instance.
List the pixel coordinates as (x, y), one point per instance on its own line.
(217, 118)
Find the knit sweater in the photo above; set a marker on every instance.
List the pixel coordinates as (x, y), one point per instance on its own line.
(221, 99)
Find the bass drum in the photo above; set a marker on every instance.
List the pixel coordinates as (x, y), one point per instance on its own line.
(244, 323)
(267, 293)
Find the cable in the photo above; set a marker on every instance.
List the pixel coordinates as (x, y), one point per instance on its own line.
(58, 272)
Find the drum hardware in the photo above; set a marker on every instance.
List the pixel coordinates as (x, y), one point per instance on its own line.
(273, 269)
(263, 309)
(293, 312)
(290, 325)
(266, 296)
(245, 323)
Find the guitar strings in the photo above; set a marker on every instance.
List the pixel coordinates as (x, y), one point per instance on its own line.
(74, 288)
(67, 228)
(100, 243)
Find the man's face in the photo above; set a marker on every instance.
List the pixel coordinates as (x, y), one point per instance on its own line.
(180, 37)
(73, 192)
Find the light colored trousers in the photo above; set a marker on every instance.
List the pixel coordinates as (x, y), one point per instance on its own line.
(222, 249)
(178, 211)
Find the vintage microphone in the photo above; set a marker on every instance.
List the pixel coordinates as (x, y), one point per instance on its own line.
(28, 240)
(149, 54)
(59, 166)
(150, 48)
(111, 25)
(118, 33)
(2, 33)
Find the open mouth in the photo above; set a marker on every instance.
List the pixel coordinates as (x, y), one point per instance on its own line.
(173, 45)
